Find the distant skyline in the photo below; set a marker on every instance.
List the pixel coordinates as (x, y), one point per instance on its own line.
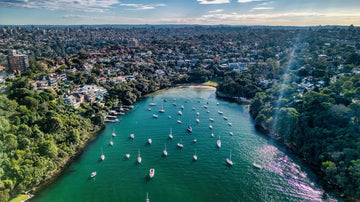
(203, 12)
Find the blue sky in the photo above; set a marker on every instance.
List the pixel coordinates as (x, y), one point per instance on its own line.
(206, 12)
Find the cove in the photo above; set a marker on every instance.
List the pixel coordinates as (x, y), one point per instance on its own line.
(261, 170)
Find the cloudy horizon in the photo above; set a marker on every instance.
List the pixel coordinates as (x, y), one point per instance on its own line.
(202, 12)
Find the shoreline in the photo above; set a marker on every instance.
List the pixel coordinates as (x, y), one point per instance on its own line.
(66, 163)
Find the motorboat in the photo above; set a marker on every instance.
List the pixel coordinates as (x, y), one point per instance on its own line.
(182, 106)
(193, 108)
(147, 197)
(207, 111)
(178, 121)
(212, 135)
(231, 133)
(127, 156)
(205, 106)
(220, 112)
(151, 172)
(189, 129)
(195, 140)
(225, 117)
(139, 157)
(210, 126)
(174, 103)
(149, 109)
(149, 141)
(197, 120)
(155, 115)
(230, 124)
(93, 174)
(111, 142)
(217, 103)
(197, 113)
(132, 136)
(229, 161)
(152, 104)
(180, 113)
(169, 117)
(161, 110)
(113, 134)
(218, 142)
(211, 119)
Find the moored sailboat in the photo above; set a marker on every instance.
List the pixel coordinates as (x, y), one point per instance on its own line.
(165, 151)
(229, 161)
(139, 157)
(218, 142)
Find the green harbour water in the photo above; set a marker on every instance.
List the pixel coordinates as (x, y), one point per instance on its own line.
(283, 177)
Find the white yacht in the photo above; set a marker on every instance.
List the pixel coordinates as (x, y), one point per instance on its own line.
(149, 109)
(182, 106)
(111, 142)
(195, 140)
(151, 172)
(102, 157)
(155, 115)
(220, 112)
(207, 111)
(174, 103)
(257, 166)
(229, 161)
(178, 121)
(152, 104)
(197, 113)
(132, 136)
(169, 117)
(93, 174)
(217, 103)
(195, 156)
(165, 151)
(162, 110)
(205, 106)
(225, 117)
(127, 156)
(113, 134)
(230, 124)
(170, 134)
(231, 133)
(212, 135)
(197, 120)
(180, 113)
(193, 108)
(180, 145)
(139, 157)
(149, 141)
(218, 142)
(211, 119)
(210, 126)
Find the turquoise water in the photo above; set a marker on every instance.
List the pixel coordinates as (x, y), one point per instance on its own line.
(177, 177)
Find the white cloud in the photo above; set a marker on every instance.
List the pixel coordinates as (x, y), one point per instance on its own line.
(142, 6)
(213, 1)
(64, 5)
(247, 1)
(216, 11)
(263, 8)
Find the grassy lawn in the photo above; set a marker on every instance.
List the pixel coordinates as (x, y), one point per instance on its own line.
(20, 198)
